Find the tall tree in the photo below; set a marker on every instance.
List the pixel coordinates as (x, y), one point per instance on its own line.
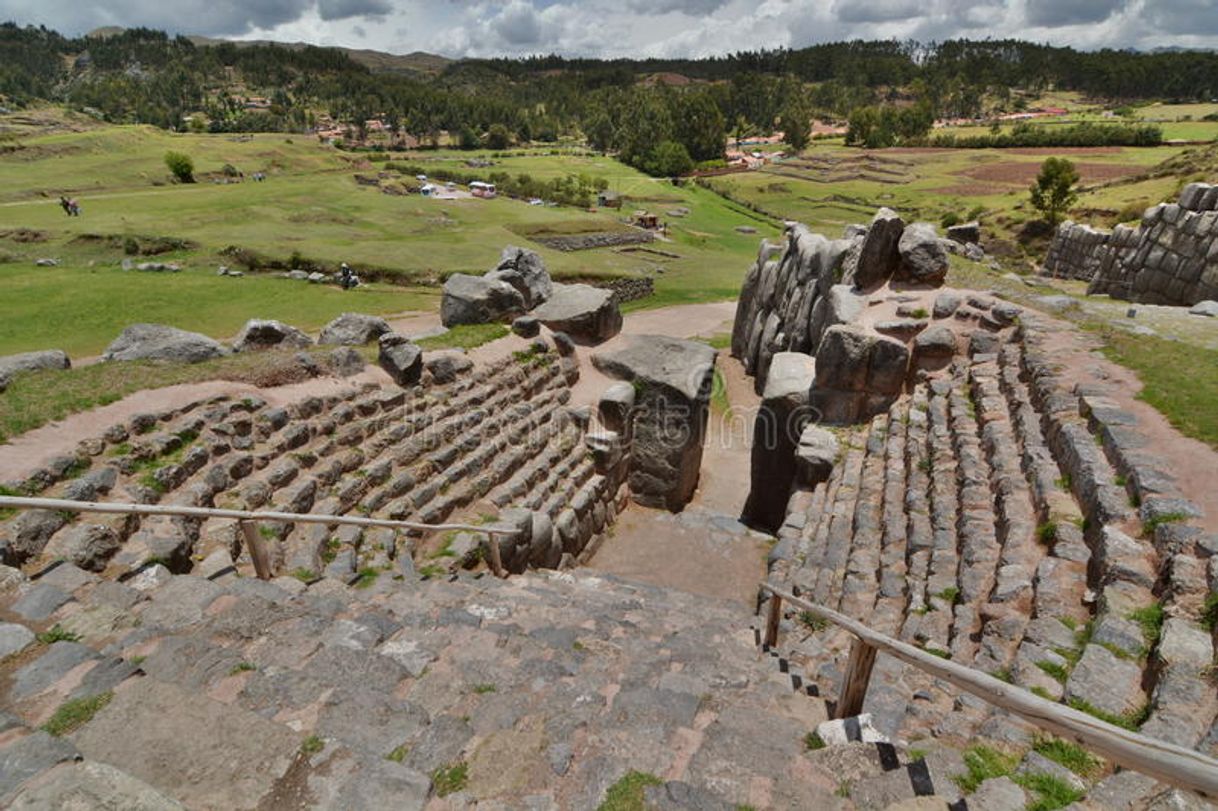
(1054, 190)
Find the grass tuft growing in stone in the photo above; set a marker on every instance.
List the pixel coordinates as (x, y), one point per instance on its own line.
(812, 621)
(1150, 619)
(312, 745)
(983, 763)
(813, 741)
(75, 713)
(242, 667)
(627, 793)
(1058, 672)
(483, 689)
(399, 753)
(450, 779)
(1071, 755)
(366, 577)
(1131, 720)
(1051, 792)
(57, 634)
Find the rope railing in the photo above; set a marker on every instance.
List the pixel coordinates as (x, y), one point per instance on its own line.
(1174, 765)
(247, 520)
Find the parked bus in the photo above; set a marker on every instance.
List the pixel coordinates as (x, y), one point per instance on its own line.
(480, 189)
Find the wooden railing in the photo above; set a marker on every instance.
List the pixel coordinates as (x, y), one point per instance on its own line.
(1171, 764)
(259, 554)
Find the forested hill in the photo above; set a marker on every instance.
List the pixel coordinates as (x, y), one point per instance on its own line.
(686, 106)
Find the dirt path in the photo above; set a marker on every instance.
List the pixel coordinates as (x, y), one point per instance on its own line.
(1190, 461)
(704, 549)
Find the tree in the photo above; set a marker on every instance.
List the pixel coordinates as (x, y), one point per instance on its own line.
(667, 159)
(796, 124)
(498, 137)
(1054, 190)
(698, 126)
(181, 165)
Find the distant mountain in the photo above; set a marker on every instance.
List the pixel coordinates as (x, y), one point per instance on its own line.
(418, 63)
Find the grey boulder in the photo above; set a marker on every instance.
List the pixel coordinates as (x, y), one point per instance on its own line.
(445, 367)
(160, 342)
(526, 326)
(353, 329)
(966, 233)
(1209, 308)
(270, 334)
(582, 311)
(31, 362)
(923, 258)
(479, 300)
(526, 271)
(879, 257)
(402, 359)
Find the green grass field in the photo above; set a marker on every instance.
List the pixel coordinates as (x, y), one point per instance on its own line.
(312, 207)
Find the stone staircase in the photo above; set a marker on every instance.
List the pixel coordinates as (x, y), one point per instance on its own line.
(540, 691)
(1004, 519)
(502, 435)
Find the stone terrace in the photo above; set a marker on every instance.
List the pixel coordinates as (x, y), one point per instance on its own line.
(1000, 518)
(498, 436)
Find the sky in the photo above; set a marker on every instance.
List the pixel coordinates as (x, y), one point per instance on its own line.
(639, 28)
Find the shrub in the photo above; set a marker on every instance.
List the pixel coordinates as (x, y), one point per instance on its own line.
(182, 167)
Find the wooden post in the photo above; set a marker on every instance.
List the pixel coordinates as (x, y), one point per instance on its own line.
(772, 620)
(858, 675)
(495, 560)
(258, 553)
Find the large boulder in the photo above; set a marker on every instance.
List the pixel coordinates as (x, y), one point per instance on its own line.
(923, 257)
(776, 432)
(445, 367)
(858, 374)
(879, 256)
(843, 305)
(582, 311)
(966, 233)
(402, 359)
(35, 361)
(526, 271)
(259, 334)
(353, 329)
(160, 342)
(12, 365)
(672, 379)
(479, 300)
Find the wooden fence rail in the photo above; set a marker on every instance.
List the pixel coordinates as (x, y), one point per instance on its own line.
(258, 552)
(1171, 764)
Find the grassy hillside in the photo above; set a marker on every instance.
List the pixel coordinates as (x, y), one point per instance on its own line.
(311, 206)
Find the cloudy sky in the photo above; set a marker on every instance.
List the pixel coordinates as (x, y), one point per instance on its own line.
(612, 28)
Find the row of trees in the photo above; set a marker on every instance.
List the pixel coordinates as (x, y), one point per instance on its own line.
(891, 91)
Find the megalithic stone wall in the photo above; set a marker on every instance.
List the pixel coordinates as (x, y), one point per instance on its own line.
(774, 313)
(1170, 258)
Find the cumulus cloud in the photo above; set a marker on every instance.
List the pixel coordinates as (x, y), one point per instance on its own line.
(1194, 17)
(1053, 13)
(640, 28)
(343, 9)
(518, 24)
(876, 11)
